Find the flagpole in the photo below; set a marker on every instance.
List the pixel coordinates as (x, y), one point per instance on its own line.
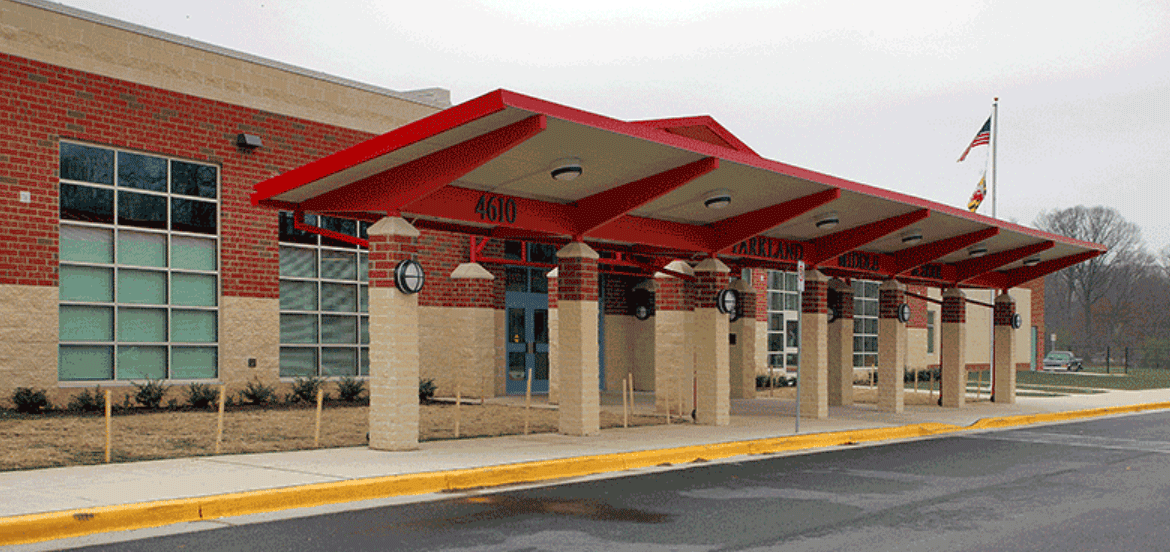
(994, 144)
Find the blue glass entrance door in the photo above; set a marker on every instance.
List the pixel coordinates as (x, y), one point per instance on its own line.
(527, 341)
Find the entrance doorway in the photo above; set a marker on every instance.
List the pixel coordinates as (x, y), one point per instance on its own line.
(526, 304)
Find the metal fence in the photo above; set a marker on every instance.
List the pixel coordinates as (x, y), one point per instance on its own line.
(1121, 359)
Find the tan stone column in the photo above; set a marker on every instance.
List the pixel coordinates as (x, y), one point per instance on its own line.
(953, 353)
(891, 348)
(393, 339)
(840, 345)
(1005, 351)
(712, 354)
(471, 331)
(814, 346)
(553, 341)
(673, 355)
(743, 351)
(577, 353)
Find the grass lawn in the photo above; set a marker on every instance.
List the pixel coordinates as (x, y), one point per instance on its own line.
(1135, 380)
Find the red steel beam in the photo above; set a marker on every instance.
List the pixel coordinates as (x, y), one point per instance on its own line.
(1011, 278)
(832, 245)
(971, 268)
(729, 232)
(914, 257)
(298, 215)
(599, 209)
(396, 188)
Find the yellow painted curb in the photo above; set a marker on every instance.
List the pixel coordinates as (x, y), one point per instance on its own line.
(86, 521)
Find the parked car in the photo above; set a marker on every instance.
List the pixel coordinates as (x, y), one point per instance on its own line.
(1062, 360)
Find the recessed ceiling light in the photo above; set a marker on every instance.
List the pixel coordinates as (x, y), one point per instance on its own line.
(977, 251)
(718, 199)
(828, 220)
(566, 169)
(912, 236)
(1032, 262)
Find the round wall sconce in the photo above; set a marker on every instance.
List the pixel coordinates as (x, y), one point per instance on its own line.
(1017, 321)
(727, 301)
(717, 199)
(409, 277)
(828, 220)
(903, 313)
(566, 169)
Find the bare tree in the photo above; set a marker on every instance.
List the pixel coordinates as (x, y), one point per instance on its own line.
(1085, 284)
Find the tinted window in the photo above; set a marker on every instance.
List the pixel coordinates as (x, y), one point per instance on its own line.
(87, 164)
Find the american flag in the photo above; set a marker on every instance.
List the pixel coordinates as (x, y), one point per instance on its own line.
(981, 138)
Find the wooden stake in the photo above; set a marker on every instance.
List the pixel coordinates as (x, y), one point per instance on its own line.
(219, 428)
(631, 393)
(108, 411)
(625, 405)
(979, 386)
(527, 401)
(317, 429)
(458, 399)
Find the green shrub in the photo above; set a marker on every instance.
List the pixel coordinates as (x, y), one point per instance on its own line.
(305, 389)
(201, 395)
(88, 402)
(150, 394)
(350, 389)
(426, 390)
(257, 393)
(30, 401)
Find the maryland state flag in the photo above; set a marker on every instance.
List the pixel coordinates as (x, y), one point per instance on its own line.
(981, 139)
(980, 193)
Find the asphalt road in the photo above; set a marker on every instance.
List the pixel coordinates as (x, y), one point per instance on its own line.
(1098, 485)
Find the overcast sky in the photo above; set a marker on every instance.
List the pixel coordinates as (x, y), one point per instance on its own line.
(884, 93)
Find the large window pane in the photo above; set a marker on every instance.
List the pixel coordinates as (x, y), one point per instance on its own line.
(86, 283)
(192, 253)
(142, 286)
(338, 329)
(142, 325)
(193, 290)
(142, 362)
(296, 295)
(363, 267)
(190, 215)
(338, 265)
(363, 299)
(517, 278)
(298, 362)
(365, 337)
(86, 244)
(142, 210)
(194, 362)
(289, 232)
(542, 253)
(297, 262)
(298, 328)
(86, 203)
(776, 342)
(365, 362)
(85, 323)
(339, 362)
(142, 249)
(341, 226)
(193, 180)
(85, 362)
(144, 172)
(87, 164)
(193, 326)
(338, 297)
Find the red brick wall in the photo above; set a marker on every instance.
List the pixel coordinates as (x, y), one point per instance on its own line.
(439, 253)
(918, 307)
(815, 298)
(41, 104)
(1037, 288)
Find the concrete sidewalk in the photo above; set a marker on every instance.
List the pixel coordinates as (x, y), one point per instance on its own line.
(44, 504)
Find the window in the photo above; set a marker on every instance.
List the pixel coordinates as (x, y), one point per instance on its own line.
(929, 331)
(783, 320)
(139, 266)
(865, 323)
(324, 300)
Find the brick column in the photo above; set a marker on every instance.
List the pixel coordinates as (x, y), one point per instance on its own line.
(840, 345)
(743, 351)
(673, 354)
(953, 388)
(891, 348)
(471, 331)
(577, 353)
(553, 341)
(712, 354)
(394, 340)
(1005, 351)
(814, 346)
